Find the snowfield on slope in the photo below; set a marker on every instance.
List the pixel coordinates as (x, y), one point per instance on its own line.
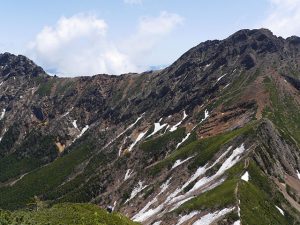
(173, 128)
(136, 190)
(178, 162)
(175, 198)
(187, 217)
(141, 135)
(183, 140)
(212, 217)
(157, 128)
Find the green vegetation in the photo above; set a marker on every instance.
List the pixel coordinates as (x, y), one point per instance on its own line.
(157, 146)
(64, 86)
(64, 214)
(36, 150)
(11, 166)
(38, 146)
(9, 139)
(43, 179)
(46, 87)
(256, 207)
(203, 150)
(258, 199)
(259, 179)
(235, 172)
(81, 189)
(234, 90)
(217, 198)
(284, 111)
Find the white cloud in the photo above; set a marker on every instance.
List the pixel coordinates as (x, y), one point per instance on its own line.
(133, 1)
(79, 45)
(150, 32)
(283, 18)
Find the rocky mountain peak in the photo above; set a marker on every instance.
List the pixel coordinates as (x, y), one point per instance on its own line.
(13, 65)
(215, 135)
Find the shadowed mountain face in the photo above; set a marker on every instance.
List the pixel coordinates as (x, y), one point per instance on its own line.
(212, 139)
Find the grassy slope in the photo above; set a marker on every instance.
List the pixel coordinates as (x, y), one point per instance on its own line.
(203, 150)
(43, 179)
(217, 198)
(63, 214)
(284, 111)
(258, 198)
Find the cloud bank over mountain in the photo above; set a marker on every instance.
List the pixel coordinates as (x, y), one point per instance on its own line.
(80, 44)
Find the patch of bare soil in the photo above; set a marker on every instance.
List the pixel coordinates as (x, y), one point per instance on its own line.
(227, 119)
(282, 188)
(257, 92)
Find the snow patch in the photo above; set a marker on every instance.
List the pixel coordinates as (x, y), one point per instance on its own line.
(164, 186)
(81, 132)
(136, 190)
(157, 223)
(226, 86)
(238, 222)
(67, 113)
(180, 203)
(128, 128)
(206, 115)
(2, 114)
(114, 206)
(187, 217)
(280, 210)
(1, 137)
(178, 162)
(128, 174)
(211, 217)
(141, 135)
(74, 123)
(179, 123)
(174, 200)
(245, 177)
(145, 213)
(298, 174)
(229, 162)
(121, 147)
(206, 66)
(157, 127)
(183, 140)
(221, 77)
(200, 171)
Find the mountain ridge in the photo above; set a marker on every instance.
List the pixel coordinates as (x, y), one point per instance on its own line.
(162, 146)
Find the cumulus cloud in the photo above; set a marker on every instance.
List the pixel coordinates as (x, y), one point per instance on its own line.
(150, 31)
(133, 1)
(79, 45)
(283, 18)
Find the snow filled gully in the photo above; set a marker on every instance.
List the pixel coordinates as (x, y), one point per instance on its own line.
(173, 199)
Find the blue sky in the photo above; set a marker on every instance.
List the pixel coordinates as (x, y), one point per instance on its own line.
(85, 37)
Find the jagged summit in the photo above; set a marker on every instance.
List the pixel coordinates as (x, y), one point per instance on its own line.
(12, 65)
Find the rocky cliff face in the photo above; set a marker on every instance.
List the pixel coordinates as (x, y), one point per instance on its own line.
(212, 139)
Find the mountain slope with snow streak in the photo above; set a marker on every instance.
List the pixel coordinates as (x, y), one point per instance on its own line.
(213, 138)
